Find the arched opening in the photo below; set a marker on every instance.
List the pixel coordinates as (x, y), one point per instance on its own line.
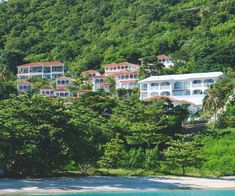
(197, 92)
(165, 85)
(208, 82)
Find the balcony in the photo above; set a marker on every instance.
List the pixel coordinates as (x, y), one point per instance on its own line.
(165, 85)
(196, 85)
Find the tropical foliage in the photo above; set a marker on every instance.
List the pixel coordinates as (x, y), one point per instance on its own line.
(199, 34)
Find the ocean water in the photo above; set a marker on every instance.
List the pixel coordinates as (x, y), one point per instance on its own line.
(161, 193)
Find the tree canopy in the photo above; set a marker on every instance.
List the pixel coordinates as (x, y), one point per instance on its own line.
(86, 34)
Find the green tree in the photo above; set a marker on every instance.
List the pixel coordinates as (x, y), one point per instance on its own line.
(5, 73)
(183, 152)
(36, 135)
(212, 102)
(151, 158)
(113, 153)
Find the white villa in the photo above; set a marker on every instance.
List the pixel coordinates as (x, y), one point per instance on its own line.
(125, 75)
(188, 87)
(60, 90)
(165, 60)
(46, 70)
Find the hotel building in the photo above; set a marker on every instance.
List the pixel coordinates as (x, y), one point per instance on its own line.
(189, 87)
(46, 70)
(125, 75)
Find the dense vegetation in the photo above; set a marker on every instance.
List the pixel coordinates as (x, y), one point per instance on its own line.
(42, 136)
(86, 33)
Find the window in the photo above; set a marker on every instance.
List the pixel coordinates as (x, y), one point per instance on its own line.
(35, 69)
(57, 68)
(197, 92)
(197, 83)
(131, 76)
(181, 93)
(24, 70)
(181, 85)
(144, 87)
(154, 94)
(205, 92)
(154, 86)
(58, 82)
(208, 82)
(165, 93)
(165, 85)
(126, 77)
(46, 70)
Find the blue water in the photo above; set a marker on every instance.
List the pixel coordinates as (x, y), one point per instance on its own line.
(162, 193)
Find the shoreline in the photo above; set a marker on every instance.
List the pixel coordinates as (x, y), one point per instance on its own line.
(63, 185)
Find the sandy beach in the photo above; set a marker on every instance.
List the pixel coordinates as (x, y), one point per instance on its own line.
(107, 184)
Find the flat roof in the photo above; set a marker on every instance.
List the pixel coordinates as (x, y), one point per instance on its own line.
(182, 77)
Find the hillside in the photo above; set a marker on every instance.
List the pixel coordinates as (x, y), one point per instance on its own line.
(89, 33)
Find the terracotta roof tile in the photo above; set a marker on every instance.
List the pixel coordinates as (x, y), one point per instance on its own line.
(40, 64)
(23, 82)
(119, 64)
(162, 56)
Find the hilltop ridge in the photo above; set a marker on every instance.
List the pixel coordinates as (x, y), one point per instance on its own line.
(86, 34)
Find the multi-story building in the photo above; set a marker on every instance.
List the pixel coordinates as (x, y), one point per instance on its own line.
(23, 86)
(46, 70)
(125, 75)
(60, 90)
(190, 87)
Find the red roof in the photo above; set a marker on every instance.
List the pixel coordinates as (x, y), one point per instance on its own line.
(90, 72)
(128, 81)
(119, 64)
(62, 88)
(65, 78)
(40, 64)
(23, 82)
(85, 91)
(170, 98)
(159, 97)
(185, 102)
(104, 84)
(48, 89)
(100, 76)
(121, 72)
(162, 56)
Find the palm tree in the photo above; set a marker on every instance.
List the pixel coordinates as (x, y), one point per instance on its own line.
(212, 102)
(5, 73)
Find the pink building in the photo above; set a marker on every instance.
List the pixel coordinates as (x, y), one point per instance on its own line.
(125, 75)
